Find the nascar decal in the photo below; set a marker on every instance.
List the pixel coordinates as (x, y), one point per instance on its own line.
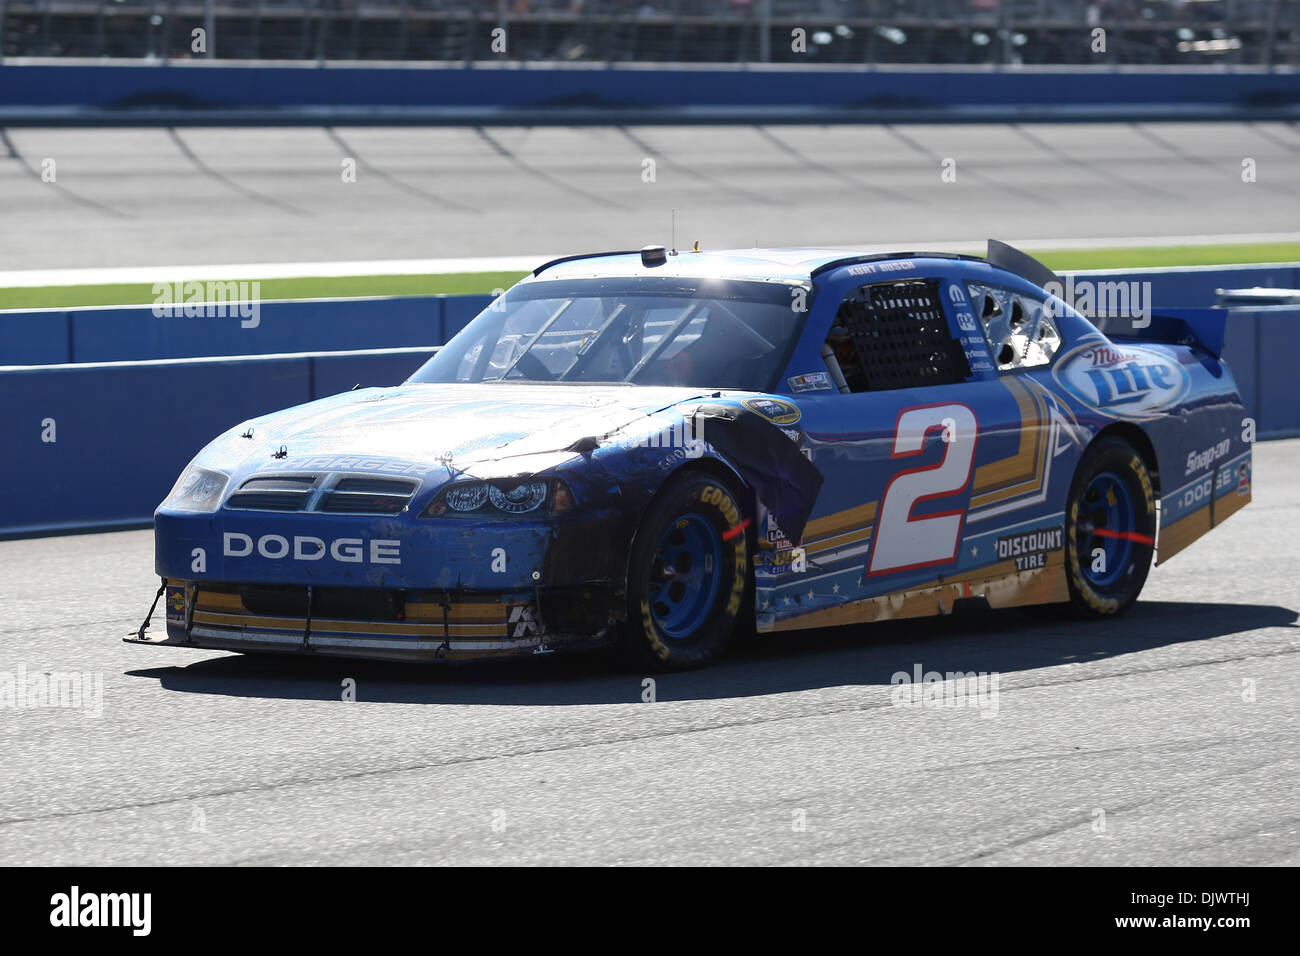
(1129, 382)
(810, 382)
(775, 410)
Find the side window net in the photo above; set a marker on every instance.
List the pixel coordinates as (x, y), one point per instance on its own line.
(895, 335)
(1019, 331)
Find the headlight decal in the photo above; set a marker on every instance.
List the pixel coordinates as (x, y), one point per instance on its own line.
(197, 489)
(487, 498)
(466, 496)
(524, 497)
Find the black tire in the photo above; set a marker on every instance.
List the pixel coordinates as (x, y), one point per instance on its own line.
(1107, 585)
(690, 503)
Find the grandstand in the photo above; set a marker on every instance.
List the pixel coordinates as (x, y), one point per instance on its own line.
(965, 32)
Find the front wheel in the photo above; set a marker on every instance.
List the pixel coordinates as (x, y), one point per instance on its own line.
(687, 574)
(1110, 527)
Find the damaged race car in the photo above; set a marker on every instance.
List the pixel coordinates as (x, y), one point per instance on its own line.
(654, 451)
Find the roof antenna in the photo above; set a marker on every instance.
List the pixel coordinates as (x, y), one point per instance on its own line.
(674, 232)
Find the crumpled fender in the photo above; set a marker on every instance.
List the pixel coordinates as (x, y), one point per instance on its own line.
(765, 457)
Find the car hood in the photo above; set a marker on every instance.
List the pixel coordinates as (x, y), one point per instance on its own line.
(433, 425)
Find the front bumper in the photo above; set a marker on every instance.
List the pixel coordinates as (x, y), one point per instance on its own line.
(392, 625)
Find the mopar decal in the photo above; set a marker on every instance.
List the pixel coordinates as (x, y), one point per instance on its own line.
(1123, 381)
(308, 548)
(775, 410)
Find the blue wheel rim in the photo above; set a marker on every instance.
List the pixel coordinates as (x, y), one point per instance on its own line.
(684, 576)
(1108, 520)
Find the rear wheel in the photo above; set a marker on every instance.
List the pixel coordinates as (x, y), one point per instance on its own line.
(1110, 526)
(687, 574)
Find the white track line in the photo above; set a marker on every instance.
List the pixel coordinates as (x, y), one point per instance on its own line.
(293, 270)
(263, 270)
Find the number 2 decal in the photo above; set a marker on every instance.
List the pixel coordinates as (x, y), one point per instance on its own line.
(903, 542)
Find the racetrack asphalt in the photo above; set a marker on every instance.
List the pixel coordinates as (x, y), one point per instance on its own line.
(205, 196)
(1168, 736)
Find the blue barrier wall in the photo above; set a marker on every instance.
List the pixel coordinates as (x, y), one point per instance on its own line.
(197, 85)
(123, 432)
(127, 334)
(1267, 378)
(1197, 286)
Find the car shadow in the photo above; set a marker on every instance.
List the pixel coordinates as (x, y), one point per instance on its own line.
(1001, 641)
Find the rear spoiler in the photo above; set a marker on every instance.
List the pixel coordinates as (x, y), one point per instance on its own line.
(1021, 264)
(1202, 328)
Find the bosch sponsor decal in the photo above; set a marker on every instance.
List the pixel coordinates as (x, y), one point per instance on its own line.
(1196, 460)
(972, 340)
(1030, 548)
(775, 410)
(277, 547)
(810, 382)
(1130, 382)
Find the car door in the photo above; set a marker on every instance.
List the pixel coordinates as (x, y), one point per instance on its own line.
(920, 443)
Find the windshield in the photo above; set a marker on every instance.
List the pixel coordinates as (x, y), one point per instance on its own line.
(699, 333)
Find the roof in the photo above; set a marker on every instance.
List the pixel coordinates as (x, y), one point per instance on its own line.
(790, 265)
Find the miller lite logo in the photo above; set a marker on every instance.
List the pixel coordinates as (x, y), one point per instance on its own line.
(1127, 381)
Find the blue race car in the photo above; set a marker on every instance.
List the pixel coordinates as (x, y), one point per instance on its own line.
(653, 450)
